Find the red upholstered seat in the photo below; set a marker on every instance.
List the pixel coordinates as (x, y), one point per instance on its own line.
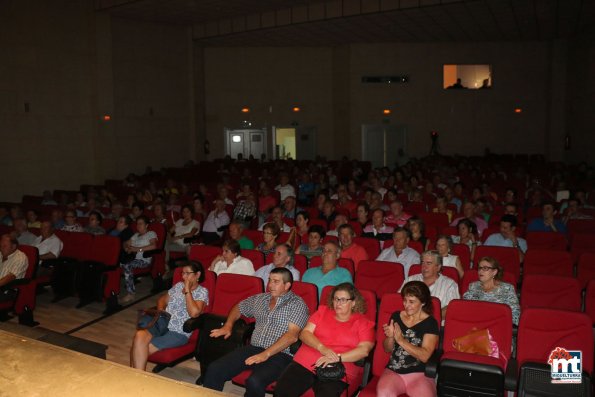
(546, 261)
(380, 277)
(552, 292)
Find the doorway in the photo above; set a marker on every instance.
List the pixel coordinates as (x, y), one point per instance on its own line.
(245, 142)
(384, 145)
(298, 143)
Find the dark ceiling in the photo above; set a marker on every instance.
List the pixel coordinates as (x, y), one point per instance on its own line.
(336, 22)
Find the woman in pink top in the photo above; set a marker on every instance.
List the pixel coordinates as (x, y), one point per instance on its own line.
(338, 331)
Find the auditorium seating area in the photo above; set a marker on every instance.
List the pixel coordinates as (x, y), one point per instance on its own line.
(556, 278)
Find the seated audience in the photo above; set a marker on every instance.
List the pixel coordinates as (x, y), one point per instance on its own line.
(280, 316)
(216, 223)
(328, 213)
(469, 213)
(548, 223)
(277, 218)
(378, 229)
(142, 241)
(400, 252)
(71, 224)
(32, 219)
(443, 246)
(231, 260)
(507, 236)
(411, 337)
(13, 266)
(185, 228)
(270, 234)
(340, 219)
(337, 331)
(417, 231)
(363, 212)
(349, 249)
(314, 245)
(329, 273)
(94, 226)
(442, 287)
(184, 300)
(396, 217)
(283, 258)
(21, 232)
(235, 233)
(245, 210)
(284, 188)
(491, 288)
(467, 235)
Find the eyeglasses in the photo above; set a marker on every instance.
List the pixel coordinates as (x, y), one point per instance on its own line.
(485, 268)
(267, 233)
(340, 301)
(187, 273)
(329, 251)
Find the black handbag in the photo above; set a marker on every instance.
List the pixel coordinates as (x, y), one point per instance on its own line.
(332, 371)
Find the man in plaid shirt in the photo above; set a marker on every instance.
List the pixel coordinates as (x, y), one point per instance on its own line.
(280, 316)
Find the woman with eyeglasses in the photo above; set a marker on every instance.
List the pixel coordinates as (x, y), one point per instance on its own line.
(337, 331)
(491, 288)
(270, 233)
(184, 300)
(411, 337)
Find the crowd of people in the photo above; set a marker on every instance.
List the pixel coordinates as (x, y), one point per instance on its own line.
(314, 209)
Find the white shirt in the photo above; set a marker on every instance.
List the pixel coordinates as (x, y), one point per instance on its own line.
(408, 257)
(182, 229)
(444, 288)
(15, 264)
(240, 265)
(51, 244)
(449, 260)
(214, 222)
(285, 191)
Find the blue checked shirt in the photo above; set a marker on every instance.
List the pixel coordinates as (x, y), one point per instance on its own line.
(272, 324)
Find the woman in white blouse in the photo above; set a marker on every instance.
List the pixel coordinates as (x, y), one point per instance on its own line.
(185, 227)
(443, 246)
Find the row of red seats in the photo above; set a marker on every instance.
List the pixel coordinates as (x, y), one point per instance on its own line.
(537, 335)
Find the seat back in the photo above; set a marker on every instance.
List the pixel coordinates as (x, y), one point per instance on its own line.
(300, 262)
(552, 292)
(464, 315)
(158, 263)
(590, 300)
(308, 292)
(434, 219)
(586, 268)
(547, 240)
(576, 226)
(255, 235)
(546, 261)
(371, 245)
(507, 257)
(538, 335)
(464, 254)
(232, 288)
(380, 277)
(255, 256)
(105, 249)
(204, 254)
(77, 245)
(582, 243)
(32, 258)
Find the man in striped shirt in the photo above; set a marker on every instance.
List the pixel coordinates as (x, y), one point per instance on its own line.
(280, 316)
(13, 265)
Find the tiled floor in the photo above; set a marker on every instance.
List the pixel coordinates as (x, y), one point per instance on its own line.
(115, 331)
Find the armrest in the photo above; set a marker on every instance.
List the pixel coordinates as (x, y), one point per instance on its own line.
(432, 364)
(510, 377)
(367, 364)
(190, 240)
(193, 323)
(17, 282)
